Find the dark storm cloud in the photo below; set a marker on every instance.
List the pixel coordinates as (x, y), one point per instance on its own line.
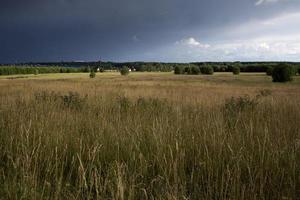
(46, 30)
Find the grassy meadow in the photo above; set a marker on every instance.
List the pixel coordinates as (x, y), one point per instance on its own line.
(149, 136)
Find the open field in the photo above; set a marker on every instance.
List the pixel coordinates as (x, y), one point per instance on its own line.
(149, 136)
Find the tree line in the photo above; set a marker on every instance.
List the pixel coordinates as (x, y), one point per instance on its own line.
(180, 68)
(11, 70)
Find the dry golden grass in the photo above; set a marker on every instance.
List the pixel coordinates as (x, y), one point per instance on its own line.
(149, 136)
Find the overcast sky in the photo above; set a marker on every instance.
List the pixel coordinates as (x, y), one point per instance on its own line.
(149, 30)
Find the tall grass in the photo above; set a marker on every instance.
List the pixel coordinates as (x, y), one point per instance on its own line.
(117, 144)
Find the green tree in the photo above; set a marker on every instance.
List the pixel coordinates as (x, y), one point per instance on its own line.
(207, 69)
(178, 70)
(92, 74)
(269, 71)
(283, 73)
(236, 69)
(124, 71)
(195, 70)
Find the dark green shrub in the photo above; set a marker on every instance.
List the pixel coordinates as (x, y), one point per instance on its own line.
(92, 74)
(217, 68)
(101, 69)
(283, 73)
(195, 70)
(207, 69)
(124, 71)
(178, 70)
(269, 71)
(86, 69)
(254, 67)
(188, 70)
(236, 69)
(36, 72)
(223, 69)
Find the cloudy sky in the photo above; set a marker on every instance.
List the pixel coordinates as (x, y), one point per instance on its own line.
(149, 30)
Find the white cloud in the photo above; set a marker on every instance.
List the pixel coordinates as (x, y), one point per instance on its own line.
(192, 42)
(278, 28)
(255, 49)
(260, 2)
(281, 29)
(277, 38)
(287, 19)
(260, 49)
(264, 45)
(273, 39)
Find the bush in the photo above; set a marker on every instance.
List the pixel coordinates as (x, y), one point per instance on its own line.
(187, 70)
(36, 72)
(269, 71)
(195, 70)
(216, 68)
(207, 69)
(236, 70)
(178, 70)
(223, 69)
(101, 69)
(92, 74)
(283, 73)
(191, 70)
(124, 71)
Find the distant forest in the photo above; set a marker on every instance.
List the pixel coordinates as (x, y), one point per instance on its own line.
(71, 67)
